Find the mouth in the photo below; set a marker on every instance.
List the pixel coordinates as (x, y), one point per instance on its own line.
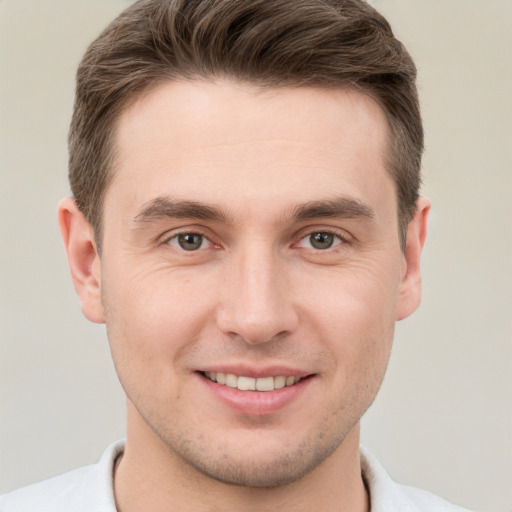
(244, 383)
(258, 393)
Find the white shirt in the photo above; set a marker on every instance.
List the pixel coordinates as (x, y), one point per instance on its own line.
(90, 489)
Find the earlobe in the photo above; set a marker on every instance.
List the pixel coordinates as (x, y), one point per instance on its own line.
(410, 286)
(83, 258)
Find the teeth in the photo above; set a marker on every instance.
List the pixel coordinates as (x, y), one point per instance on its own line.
(250, 383)
(279, 382)
(264, 384)
(246, 384)
(231, 380)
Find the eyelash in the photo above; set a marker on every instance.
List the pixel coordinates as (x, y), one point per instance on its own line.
(176, 237)
(342, 239)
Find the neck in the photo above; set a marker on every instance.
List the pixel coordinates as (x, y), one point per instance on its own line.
(150, 477)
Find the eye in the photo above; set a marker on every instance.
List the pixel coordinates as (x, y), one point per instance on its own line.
(189, 241)
(320, 240)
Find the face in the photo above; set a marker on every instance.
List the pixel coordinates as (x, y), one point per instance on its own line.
(251, 274)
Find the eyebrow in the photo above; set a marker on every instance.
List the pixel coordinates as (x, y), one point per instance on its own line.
(167, 207)
(340, 207)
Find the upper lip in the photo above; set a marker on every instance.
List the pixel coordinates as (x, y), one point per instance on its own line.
(246, 371)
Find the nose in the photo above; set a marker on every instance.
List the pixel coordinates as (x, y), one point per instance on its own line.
(256, 301)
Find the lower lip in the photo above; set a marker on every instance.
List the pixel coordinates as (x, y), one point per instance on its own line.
(257, 403)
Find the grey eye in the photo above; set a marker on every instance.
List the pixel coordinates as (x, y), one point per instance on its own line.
(321, 240)
(189, 241)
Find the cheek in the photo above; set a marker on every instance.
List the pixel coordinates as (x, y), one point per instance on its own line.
(354, 309)
(360, 347)
(362, 294)
(152, 317)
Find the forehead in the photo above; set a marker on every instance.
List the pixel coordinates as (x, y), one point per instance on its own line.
(218, 141)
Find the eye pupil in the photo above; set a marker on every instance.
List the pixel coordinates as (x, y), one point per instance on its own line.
(190, 241)
(321, 240)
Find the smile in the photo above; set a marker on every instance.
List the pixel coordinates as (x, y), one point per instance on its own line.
(252, 384)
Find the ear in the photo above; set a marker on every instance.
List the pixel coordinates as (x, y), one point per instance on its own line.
(410, 285)
(83, 258)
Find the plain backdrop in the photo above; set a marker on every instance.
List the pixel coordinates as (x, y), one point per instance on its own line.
(443, 419)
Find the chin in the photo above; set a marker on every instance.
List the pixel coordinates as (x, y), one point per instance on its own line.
(261, 466)
(274, 473)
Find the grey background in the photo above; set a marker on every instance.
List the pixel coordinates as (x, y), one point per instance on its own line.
(443, 419)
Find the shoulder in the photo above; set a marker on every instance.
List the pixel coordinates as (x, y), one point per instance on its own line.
(81, 490)
(386, 495)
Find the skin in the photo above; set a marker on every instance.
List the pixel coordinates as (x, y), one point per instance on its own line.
(242, 168)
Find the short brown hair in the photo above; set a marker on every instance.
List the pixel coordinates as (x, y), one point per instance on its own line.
(268, 43)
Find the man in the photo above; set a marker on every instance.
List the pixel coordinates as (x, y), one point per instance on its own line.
(246, 222)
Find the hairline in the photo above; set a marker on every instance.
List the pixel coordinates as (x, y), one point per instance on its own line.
(111, 159)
